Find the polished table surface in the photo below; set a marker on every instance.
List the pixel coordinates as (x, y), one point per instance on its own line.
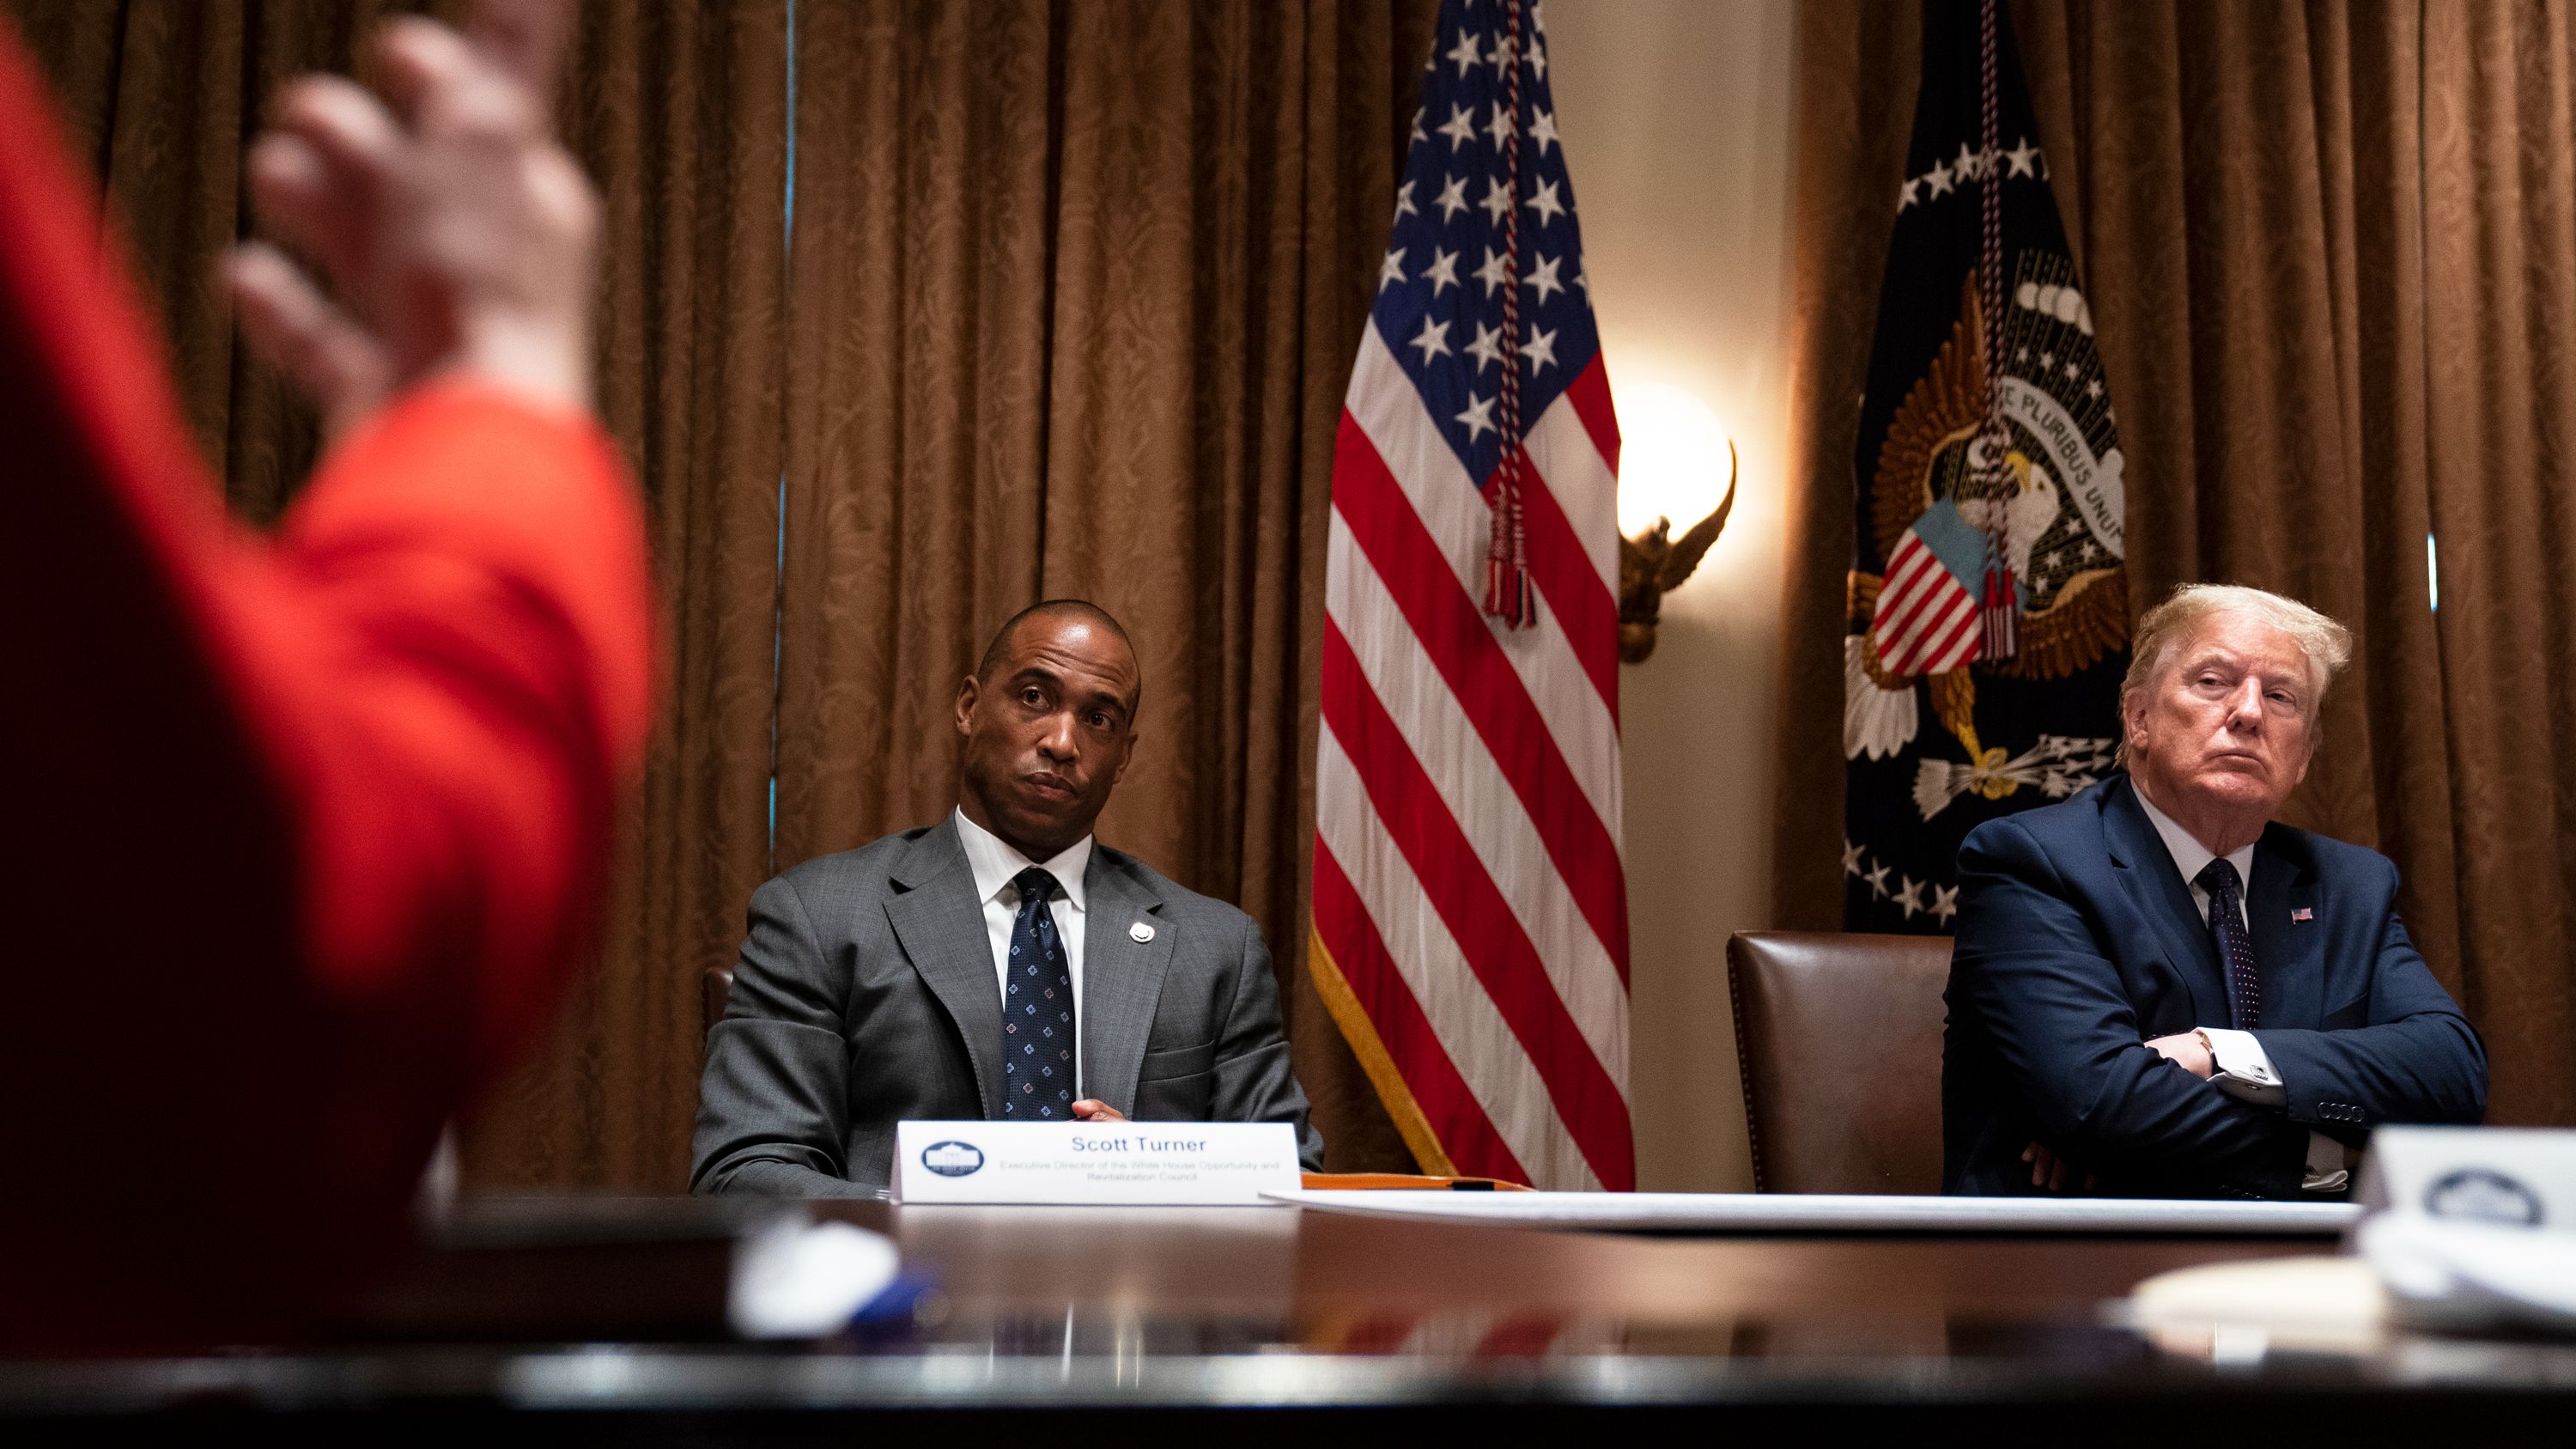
(1181, 1312)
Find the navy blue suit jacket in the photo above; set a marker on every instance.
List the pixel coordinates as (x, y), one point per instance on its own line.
(2077, 942)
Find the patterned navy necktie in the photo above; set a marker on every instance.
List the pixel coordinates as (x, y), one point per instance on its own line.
(2235, 952)
(1037, 1011)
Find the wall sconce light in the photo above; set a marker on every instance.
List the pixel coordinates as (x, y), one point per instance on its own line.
(1654, 563)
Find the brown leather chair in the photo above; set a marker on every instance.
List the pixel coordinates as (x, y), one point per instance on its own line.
(1839, 1040)
(712, 991)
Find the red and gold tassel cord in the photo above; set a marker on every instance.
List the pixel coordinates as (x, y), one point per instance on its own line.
(1507, 585)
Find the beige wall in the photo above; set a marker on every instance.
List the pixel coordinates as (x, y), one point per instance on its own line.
(1676, 121)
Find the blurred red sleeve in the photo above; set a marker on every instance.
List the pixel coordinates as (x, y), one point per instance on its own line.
(306, 834)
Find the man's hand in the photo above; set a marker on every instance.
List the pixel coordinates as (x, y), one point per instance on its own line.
(2189, 1049)
(1092, 1109)
(2048, 1171)
(455, 234)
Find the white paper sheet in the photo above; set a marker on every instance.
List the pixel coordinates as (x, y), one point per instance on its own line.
(1693, 1212)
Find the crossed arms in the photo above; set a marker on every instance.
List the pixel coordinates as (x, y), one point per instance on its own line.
(2032, 970)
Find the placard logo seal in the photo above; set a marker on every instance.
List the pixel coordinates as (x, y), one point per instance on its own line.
(952, 1159)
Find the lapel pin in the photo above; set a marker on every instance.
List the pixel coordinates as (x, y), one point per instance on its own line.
(2303, 914)
(1140, 933)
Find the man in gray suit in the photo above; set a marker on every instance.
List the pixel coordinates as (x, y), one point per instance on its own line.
(999, 964)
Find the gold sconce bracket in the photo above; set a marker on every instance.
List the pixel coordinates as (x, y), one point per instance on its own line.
(1655, 563)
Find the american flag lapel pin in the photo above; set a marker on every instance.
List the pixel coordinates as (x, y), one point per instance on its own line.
(2303, 914)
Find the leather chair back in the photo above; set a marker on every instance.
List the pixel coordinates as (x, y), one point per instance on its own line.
(713, 988)
(1839, 1039)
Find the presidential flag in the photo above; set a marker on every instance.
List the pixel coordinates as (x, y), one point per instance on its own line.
(1989, 614)
(1470, 912)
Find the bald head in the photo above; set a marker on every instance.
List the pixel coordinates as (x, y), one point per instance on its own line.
(997, 655)
(1049, 723)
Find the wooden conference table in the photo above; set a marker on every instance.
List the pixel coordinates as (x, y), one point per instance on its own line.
(1276, 1325)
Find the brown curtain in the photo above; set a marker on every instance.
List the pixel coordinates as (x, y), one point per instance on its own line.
(1076, 288)
(162, 97)
(680, 114)
(2332, 253)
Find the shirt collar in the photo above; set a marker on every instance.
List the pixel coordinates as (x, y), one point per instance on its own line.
(2189, 855)
(996, 863)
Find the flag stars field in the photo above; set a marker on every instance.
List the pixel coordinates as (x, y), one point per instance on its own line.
(1910, 895)
(1444, 270)
(1479, 416)
(1540, 350)
(1542, 278)
(1952, 173)
(1544, 202)
(1433, 339)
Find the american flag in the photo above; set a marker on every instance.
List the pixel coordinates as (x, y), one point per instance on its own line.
(1470, 908)
(1933, 624)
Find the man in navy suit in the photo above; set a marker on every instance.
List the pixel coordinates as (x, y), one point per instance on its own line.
(2159, 991)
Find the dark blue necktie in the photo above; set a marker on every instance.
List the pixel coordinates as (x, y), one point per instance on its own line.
(1037, 1010)
(2227, 931)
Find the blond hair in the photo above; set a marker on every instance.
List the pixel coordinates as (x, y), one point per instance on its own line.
(2164, 628)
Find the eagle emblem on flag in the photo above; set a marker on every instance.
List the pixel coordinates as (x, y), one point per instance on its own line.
(1988, 620)
(1936, 505)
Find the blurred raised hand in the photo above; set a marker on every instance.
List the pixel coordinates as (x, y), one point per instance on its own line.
(453, 234)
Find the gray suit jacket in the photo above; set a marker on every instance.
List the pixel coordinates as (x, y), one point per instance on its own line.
(865, 996)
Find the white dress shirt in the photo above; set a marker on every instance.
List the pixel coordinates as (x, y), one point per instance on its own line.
(996, 864)
(2239, 1065)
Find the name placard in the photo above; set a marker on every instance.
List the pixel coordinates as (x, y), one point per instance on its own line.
(1168, 1163)
(2522, 1177)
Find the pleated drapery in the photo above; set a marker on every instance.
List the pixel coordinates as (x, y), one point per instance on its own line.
(2331, 251)
(162, 99)
(680, 114)
(1073, 295)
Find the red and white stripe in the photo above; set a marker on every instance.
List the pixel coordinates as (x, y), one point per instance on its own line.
(1468, 881)
(1927, 621)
